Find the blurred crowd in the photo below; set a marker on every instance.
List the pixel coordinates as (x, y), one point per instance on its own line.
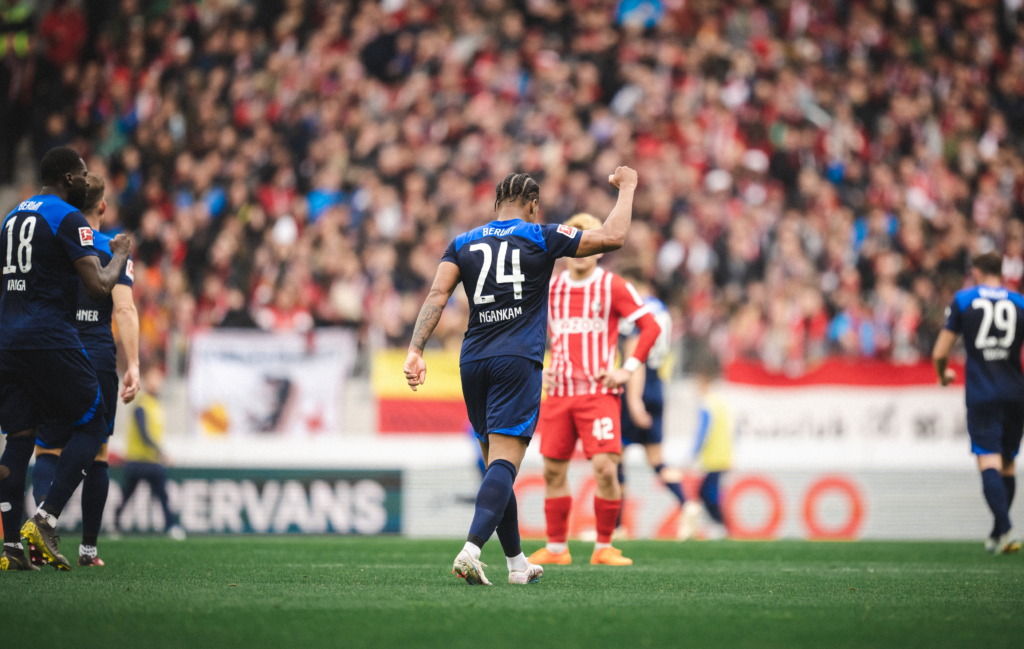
(814, 176)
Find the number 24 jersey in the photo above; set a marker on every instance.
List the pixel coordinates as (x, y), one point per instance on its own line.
(505, 267)
(991, 320)
(39, 243)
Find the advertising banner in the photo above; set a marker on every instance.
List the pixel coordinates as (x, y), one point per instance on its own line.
(847, 415)
(256, 383)
(262, 501)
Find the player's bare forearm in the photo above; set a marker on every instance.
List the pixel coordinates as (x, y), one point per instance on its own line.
(445, 281)
(430, 315)
(127, 317)
(940, 356)
(612, 235)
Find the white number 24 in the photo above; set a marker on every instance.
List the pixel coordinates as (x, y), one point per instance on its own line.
(516, 279)
(1003, 314)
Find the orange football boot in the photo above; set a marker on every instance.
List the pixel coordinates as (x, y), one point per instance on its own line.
(609, 557)
(543, 556)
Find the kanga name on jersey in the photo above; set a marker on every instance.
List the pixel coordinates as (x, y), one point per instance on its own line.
(93, 317)
(39, 243)
(505, 267)
(585, 318)
(991, 320)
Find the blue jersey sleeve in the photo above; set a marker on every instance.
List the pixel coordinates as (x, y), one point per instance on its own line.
(561, 240)
(954, 319)
(76, 236)
(127, 277)
(449, 253)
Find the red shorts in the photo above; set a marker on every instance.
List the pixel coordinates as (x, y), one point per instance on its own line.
(592, 418)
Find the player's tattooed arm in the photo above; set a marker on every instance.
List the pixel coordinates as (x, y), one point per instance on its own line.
(100, 280)
(445, 281)
(612, 235)
(430, 315)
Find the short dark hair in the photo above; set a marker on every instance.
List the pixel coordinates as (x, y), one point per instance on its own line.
(58, 162)
(990, 263)
(93, 195)
(516, 186)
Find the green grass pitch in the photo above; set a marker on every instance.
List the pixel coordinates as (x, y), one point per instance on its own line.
(393, 592)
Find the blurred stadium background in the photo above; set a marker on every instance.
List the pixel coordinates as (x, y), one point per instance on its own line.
(815, 177)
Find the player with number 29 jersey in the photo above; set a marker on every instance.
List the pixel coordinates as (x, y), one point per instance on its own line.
(991, 320)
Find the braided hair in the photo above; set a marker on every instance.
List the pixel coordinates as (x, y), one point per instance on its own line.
(515, 187)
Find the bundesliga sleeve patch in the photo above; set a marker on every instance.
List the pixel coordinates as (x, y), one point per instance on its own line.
(567, 230)
(85, 236)
(129, 270)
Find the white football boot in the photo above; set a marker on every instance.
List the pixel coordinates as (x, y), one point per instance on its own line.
(1006, 544)
(531, 575)
(470, 569)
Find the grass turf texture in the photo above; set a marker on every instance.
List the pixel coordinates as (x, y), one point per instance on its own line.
(393, 592)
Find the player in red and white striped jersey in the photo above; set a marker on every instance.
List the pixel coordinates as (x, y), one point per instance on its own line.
(585, 306)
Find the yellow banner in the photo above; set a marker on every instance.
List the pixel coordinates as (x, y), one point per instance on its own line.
(443, 379)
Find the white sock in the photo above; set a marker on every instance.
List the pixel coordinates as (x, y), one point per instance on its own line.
(87, 551)
(517, 563)
(601, 546)
(473, 549)
(13, 546)
(557, 548)
(50, 519)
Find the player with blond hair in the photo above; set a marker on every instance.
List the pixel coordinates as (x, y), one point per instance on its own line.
(585, 307)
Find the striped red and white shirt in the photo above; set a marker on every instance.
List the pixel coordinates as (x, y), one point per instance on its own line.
(583, 321)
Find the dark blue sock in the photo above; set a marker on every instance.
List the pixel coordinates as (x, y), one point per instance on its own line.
(709, 494)
(677, 491)
(12, 489)
(508, 528)
(74, 463)
(491, 501)
(94, 499)
(995, 493)
(42, 476)
(1010, 482)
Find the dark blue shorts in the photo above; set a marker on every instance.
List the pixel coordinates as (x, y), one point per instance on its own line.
(633, 434)
(56, 387)
(996, 427)
(57, 436)
(502, 395)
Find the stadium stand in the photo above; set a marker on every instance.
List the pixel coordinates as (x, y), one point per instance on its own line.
(814, 175)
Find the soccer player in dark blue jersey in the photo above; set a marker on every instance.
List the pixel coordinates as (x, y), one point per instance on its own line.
(47, 248)
(93, 320)
(991, 320)
(506, 267)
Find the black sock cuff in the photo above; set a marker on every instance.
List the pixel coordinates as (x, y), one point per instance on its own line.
(475, 540)
(508, 465)
(49, 509)
(90, 540)
(98, 463)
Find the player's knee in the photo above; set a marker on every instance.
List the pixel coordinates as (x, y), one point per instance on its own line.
(554, 476)
(606, 471)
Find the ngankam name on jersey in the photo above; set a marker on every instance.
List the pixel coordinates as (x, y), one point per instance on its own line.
(497, 315)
